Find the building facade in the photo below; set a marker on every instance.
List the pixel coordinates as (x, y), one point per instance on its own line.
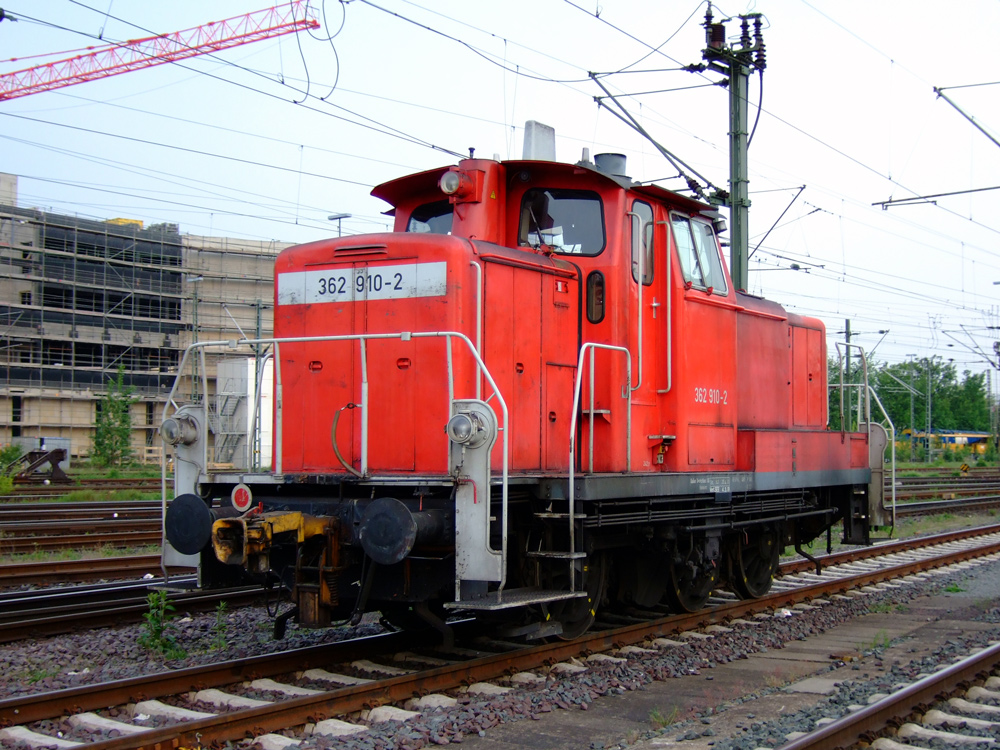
(80, 299)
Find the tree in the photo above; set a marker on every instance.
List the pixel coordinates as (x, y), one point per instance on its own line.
(113, 425)
(902, 389)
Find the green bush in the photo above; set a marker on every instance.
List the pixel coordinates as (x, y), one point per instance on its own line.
(991, 451)
(8, 454)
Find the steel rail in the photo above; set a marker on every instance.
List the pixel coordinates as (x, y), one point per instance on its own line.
(72, 571)
(236, 725)
(932, 507)
(39, 707)
(73, 508)
(76, 526)
(24, 544)
(97, 485)
(869, 722)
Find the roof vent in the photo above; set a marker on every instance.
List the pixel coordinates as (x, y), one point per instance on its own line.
(613, 164)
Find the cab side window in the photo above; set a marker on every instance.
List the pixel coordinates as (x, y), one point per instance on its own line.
(431, 218)
(641, 217)
(698, 252)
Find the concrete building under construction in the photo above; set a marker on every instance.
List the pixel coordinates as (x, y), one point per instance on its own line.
(80, 299)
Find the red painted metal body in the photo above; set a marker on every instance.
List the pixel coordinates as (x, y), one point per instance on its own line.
(726, 382)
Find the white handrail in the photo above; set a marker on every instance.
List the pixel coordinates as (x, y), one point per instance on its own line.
(198, 349)
(590, 347)
(892, 441)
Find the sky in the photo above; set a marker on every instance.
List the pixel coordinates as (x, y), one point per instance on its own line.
(266, 140)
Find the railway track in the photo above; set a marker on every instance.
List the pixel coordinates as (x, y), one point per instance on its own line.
(21, 545)
(940, 710)
(300, 697)
(74, 571)
(54, 611)
(45, 612)
(34, 490)
(34, 527)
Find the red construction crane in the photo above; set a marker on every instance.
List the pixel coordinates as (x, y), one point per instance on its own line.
(156, 50)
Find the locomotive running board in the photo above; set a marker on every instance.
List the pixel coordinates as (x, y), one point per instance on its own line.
(496, 600)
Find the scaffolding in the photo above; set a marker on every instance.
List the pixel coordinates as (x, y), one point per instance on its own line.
(80, 299)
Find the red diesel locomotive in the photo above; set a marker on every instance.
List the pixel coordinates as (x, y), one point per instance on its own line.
(538, 396)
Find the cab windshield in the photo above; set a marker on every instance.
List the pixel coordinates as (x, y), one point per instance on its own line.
(698, 252)
(568, 221)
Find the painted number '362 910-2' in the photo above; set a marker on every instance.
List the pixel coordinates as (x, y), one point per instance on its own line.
(710, 396)
(370, 282)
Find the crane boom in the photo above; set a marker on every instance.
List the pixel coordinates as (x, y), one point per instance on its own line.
(156, 50)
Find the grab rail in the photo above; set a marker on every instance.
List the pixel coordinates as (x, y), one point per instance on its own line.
(584, 350)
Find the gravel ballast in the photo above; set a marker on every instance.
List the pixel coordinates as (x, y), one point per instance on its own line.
(46, 664)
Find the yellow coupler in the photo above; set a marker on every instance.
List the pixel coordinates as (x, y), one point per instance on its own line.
(247, 541)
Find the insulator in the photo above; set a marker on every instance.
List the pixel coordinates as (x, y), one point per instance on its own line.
(761, 59)
(744, 32)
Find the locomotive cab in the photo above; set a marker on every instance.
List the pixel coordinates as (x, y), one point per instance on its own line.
(538, 395)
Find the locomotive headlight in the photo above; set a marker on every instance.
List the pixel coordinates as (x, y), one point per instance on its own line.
(461, 429)
(462, 185)
(175, 430)
(466, 428)
(450, 183)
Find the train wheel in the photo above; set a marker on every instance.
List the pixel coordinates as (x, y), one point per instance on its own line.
(690, 583)
(753, 561)
(577, 615)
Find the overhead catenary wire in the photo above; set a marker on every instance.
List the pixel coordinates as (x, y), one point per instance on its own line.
(848, 152)
(175, 147)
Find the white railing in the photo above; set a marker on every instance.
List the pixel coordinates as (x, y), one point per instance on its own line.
(197, 353)
(865, 390)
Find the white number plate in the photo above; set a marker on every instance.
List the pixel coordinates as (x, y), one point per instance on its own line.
(353, 284)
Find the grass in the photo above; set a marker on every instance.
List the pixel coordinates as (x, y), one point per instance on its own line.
(85, 470)
(38, 674)
(74, 554)
(881, 640)
(659, 720)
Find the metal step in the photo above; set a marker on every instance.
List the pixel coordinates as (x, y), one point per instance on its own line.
(515, 598)
(558, 555)
(550, 514)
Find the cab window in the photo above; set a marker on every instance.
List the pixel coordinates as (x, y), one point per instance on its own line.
(698, 252)
(431, 218)
(641, 217)
(568, 221)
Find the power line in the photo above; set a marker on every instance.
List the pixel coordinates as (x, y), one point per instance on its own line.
(185, 149)
(200, 208)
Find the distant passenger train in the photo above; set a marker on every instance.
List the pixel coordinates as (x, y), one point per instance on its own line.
(538, 396)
